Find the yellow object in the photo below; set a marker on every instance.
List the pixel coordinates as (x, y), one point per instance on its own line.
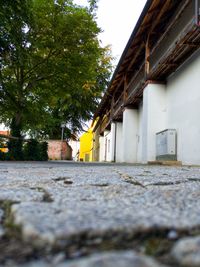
(86, 146)
(3, 149)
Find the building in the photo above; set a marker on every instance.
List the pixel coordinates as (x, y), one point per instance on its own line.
(86, 146)
(59, 150)
(75, 145)
(151, 108)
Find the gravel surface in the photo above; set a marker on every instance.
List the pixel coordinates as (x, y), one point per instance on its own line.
(85, 209)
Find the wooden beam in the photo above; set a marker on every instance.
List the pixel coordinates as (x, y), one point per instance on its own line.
(173, 21)
(112, 107)
(125, 87)
(147, 55)
(135, 56)
(197, 12)
(166, 4)
(115, 88)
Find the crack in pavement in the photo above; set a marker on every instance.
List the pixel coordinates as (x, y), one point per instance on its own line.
(131, 180)
(188, 180)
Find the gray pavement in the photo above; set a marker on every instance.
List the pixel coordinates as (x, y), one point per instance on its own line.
(83, 214)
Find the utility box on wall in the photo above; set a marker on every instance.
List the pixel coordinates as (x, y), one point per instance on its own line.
(166, 145)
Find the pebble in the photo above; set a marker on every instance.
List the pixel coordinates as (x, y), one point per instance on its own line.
(186, 251)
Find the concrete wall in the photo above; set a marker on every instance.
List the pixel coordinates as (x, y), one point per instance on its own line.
(101, 149)
(119, 143)
(140, 133)
(183, 100)
(86, 146)
(105, 151)
(58, 150)
(153, 119)
(130, 135)
(75, 145)
(108, 145)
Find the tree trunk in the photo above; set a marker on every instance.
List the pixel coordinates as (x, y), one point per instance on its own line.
(15, 151)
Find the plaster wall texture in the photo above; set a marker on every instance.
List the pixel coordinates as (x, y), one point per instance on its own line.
(153, 119)
(108, 145)
(119, 146)
(183, 100)
(140, 135)
(101, 149)
(75, 145)
(105, 146)
(112, 141)
(56, 147)
(130, 135)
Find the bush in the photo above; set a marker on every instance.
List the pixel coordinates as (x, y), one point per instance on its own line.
(15, 150)
(2, 155)
(43, 148)
(33, 150)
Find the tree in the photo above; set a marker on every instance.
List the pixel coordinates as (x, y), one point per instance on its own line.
(51, 65)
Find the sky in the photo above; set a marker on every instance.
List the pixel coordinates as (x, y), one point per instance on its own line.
(117, 19)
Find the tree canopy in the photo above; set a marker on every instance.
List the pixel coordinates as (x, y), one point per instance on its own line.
(52, 67)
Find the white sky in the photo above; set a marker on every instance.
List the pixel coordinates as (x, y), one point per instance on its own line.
(117, 19)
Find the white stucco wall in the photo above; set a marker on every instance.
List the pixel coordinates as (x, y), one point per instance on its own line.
(153, 119)
(112, 141)
(75, 145)
(119, 143)
(107, 146)
(130, 135)
(101, 148)
(183, 100)
(140, 131)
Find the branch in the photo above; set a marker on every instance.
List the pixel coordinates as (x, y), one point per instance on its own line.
(32, 83)
(51, 53)
(6, 92)
(13, 137)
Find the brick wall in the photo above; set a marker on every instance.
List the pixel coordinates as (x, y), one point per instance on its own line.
(58, 150)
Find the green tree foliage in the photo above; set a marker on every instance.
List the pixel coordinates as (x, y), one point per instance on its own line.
(34, 150)
(52, 68)
(15, 146)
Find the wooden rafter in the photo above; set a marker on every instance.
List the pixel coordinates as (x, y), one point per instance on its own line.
(135, 56)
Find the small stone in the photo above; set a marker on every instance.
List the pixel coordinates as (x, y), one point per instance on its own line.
(113, 259)
(58, 258)
(187, 251)
(172, 235)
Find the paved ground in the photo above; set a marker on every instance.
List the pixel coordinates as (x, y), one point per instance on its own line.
(99, 215)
